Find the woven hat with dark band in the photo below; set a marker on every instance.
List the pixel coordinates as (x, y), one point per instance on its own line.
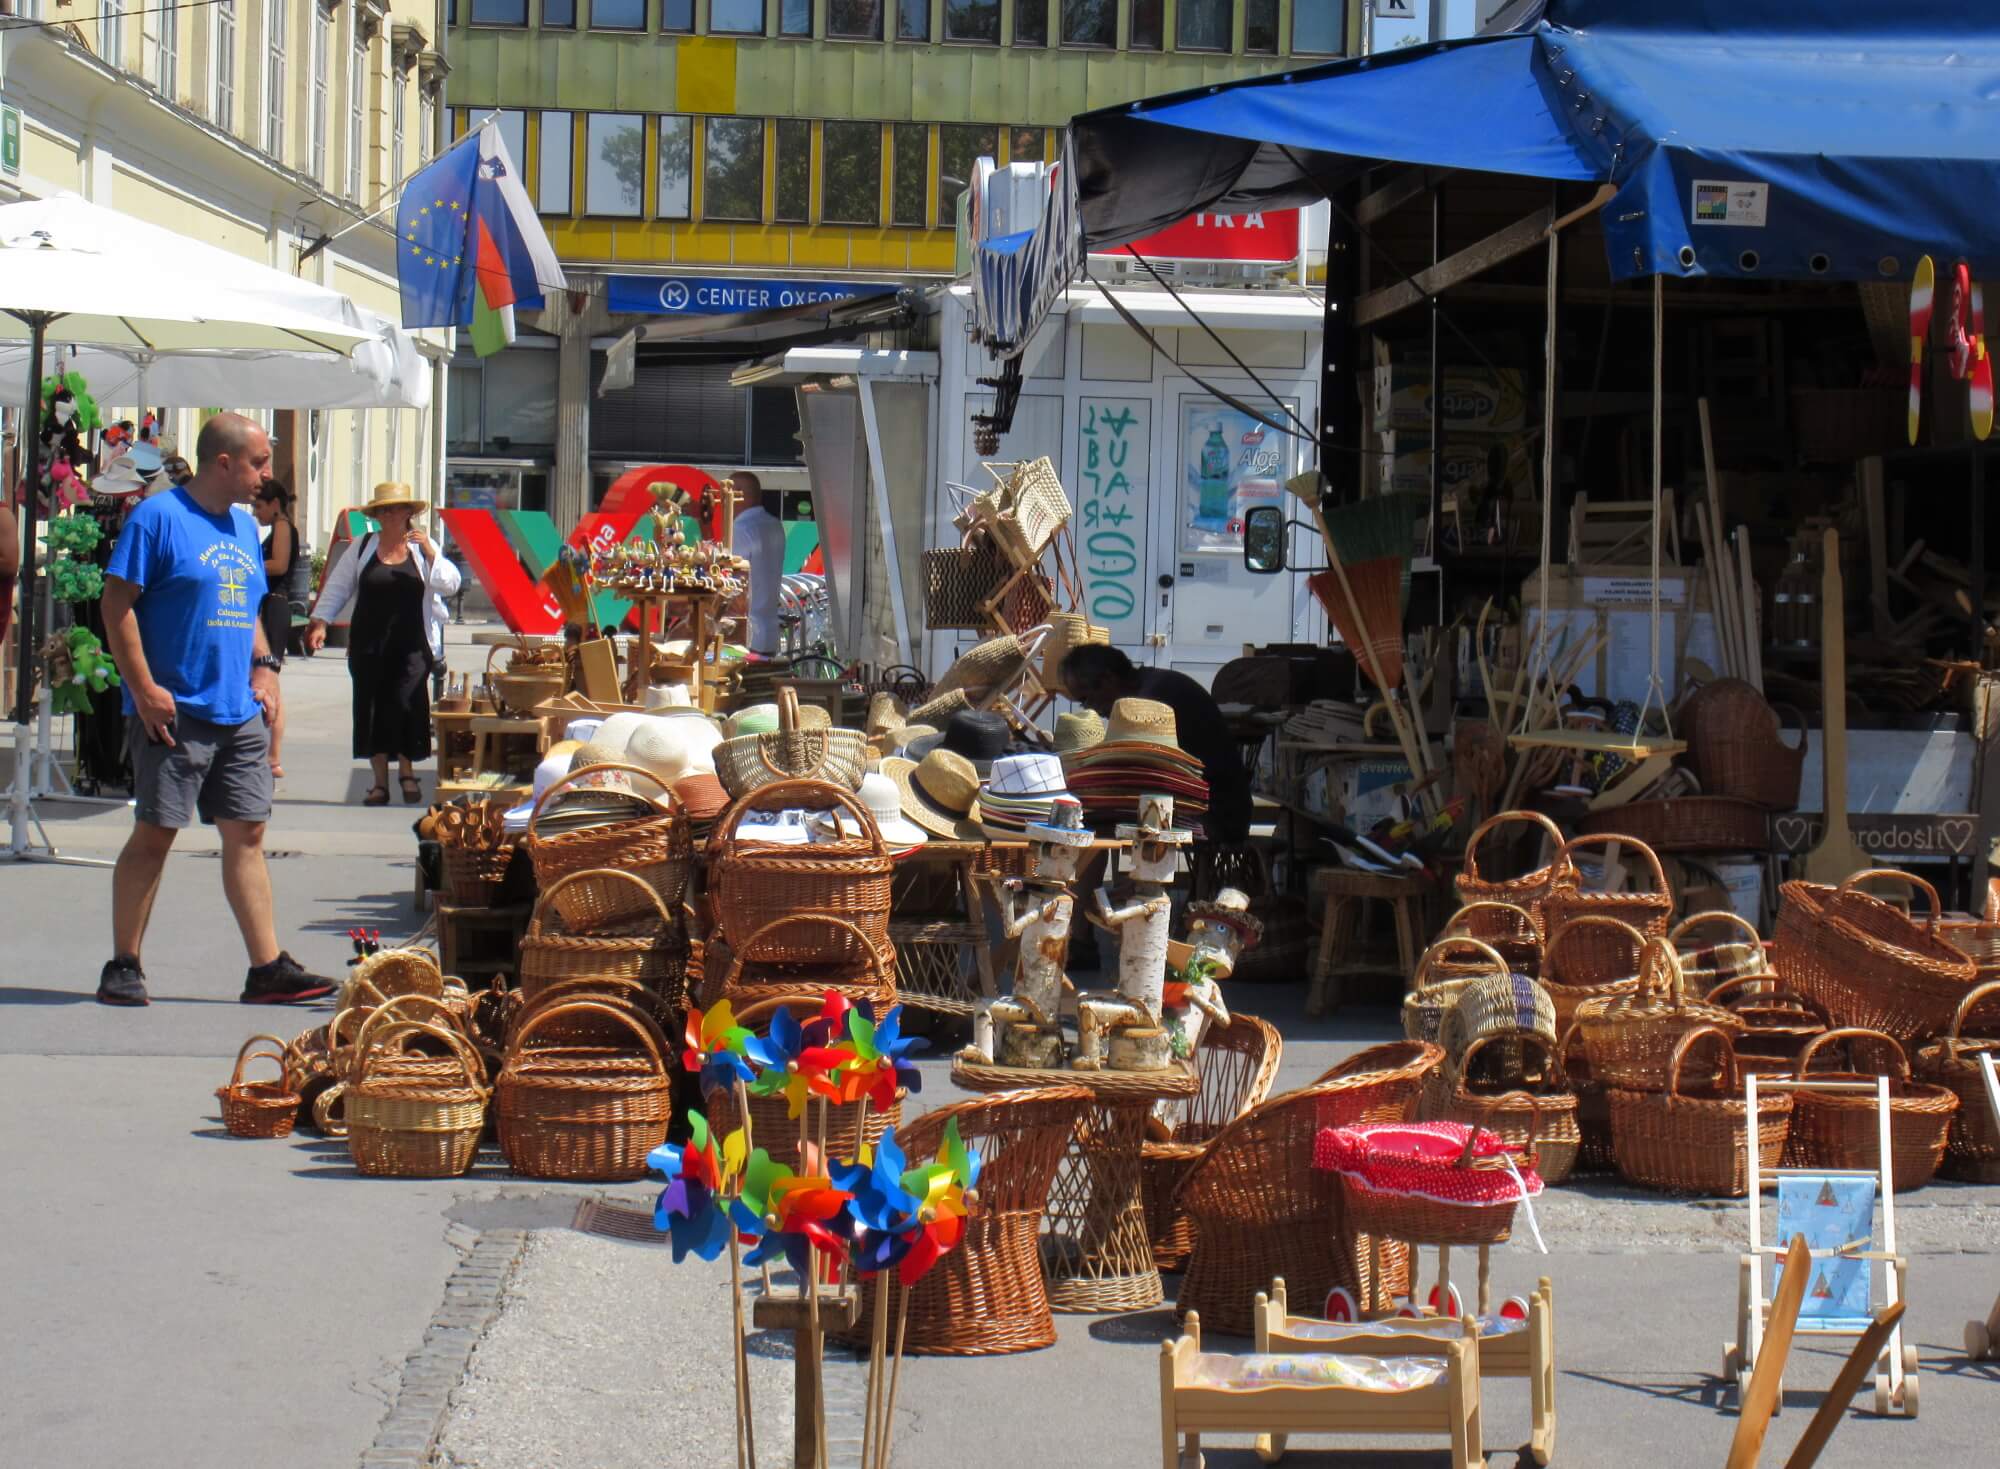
(939, 793)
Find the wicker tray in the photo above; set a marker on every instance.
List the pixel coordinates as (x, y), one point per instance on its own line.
(1686, 824)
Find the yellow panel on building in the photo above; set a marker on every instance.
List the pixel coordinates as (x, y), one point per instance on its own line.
(705, 75)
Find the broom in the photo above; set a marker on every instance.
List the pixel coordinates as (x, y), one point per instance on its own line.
(1363, 591)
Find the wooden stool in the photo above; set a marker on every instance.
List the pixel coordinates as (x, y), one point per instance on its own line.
(1343, 892)
(460, 931)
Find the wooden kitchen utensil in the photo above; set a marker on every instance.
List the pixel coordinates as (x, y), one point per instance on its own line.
(1837, 857)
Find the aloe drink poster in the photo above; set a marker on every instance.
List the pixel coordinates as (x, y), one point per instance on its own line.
(1230, 462)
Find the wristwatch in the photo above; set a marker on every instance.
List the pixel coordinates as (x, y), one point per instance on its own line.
(265, 660)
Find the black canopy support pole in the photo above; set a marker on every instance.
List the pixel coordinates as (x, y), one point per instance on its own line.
(1977, 572)
(1437, 377)
(30, 444)
(1340, 375)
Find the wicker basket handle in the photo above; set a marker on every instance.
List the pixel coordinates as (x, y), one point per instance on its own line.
(397, 1012)
(724, 835)
(402, 1030)
(1571, 1040)
(1965, 1008)
(643, 1026)
(1769, 989)
(1781, 710)
(1725, 916)
(1548, 827)
(1551, 968)
(1686, 1044)
(1531, 1037)
(740, 952)
(1660, 972)
(1493, 1105)
(608, 988)
(1854, 1032)
(323, 1105)
(1897, 873)
(1522, 917)
(1605, 839)
(244, 1057)
(652, 895)
(542, 801)
(1420, 979)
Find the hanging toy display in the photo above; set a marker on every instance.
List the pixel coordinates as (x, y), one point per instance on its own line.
(79, 669)
(74, 535)
(68, 413)
(71, 580)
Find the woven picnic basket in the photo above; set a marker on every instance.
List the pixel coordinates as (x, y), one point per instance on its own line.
(1973, 1149)
(1840, 1129)
(1647, 911)
(1777, 1022)
(259, 1108)
(1581, 963)
(1630, 1038)
(415, 1118)
(1496, 1007)
(1593, 1105)
(1526, 890)
(749, 762)
(1706, 965)
(1868, 962)
(649, 948)
(584, 1113)
(1689, 1140)
(654, 848)
(1736, 744)
(1540, 1126)
(1431, 995)
(1507, 928)
(751, 885)
(1427, 1183)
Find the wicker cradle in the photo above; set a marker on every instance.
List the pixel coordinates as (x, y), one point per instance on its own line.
(1866, 961)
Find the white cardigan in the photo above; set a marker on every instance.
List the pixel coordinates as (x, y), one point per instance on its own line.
(337, 595)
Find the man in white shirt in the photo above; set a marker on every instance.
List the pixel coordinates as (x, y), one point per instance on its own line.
(760, 540)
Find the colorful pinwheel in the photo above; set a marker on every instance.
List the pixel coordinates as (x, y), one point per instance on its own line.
(716, 1047)
(780, 1055)
(691, 1209)
(788, 1214)
(876, 1061)
(907, 1218)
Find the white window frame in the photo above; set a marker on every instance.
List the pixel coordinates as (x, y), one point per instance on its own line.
(277, 38)
(357, 99)
(111, 31)
(426, 125)
(318, 118)
(566, 155)
(399, 112)
(221, 64)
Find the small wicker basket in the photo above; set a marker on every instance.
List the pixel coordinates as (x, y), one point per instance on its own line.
(1507, 928)
(651, 951)
(259, 1108)
(420, 1120)
(1581, 963)
(1432, 995)
(1647, 911)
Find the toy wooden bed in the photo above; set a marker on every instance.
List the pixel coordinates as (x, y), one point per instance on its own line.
(1400, 1383)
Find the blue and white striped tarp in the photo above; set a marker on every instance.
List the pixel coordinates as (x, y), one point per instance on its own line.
(1017, 278)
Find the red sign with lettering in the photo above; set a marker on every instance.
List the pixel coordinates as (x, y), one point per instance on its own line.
(1270, 238)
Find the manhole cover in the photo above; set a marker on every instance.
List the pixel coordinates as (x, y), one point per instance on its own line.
(616, 1221)
(270, 855)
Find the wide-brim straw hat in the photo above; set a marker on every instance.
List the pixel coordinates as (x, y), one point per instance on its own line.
(934, 711)
(1142, 722)
(1077, 730)
(984, 669)
(885, 717)
(390, 496)
(940, 793)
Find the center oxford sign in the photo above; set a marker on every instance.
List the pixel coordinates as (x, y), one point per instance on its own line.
(686, 295)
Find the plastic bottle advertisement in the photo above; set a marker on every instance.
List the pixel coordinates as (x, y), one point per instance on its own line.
(1230, 462)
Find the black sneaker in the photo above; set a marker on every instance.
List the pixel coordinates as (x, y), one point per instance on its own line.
(283, 982)
(122, 982)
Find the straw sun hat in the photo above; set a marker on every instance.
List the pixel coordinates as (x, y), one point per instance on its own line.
(939, 793)
(389, 495)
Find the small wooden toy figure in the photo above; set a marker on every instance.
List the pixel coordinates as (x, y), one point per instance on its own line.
(1222, 929)
(1133, 1017)
(1031, 1033)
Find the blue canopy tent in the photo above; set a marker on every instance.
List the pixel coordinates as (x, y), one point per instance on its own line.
(1838, 139)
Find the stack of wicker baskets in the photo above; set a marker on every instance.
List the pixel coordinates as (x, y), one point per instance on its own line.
(590, 1105)
(1973, 1150)
(1688, 1138)
(605, 924)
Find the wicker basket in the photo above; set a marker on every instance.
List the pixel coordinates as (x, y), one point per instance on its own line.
(1506, 928)
(1540, 1127)
(751, 885)
(754, 973)
(655, 849)
(416, 1120)
(1841, 1130)
(473, 876)
(1736, 745)
(1691, 1142)
(1593, 1106)
(584, 1113)
(1686, 824)
(1581, 964)
(1973, 1150)
(1630, 1038)
(1432, 996)
(1871, 965)
(651, 951)
(1024, 511)
(1648, 912)
(589, 1028)
(259, 1108)
(1436, 1183)
(1496, 1007)
(1704, 966)
(748, 763)
(1777, 1022)
(387, 974)
(1526, 891)
(957, 582)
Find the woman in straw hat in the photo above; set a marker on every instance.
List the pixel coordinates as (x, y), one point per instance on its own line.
(396, 582)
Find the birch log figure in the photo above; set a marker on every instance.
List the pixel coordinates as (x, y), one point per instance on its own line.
(1037, 914)
(1133, 1017)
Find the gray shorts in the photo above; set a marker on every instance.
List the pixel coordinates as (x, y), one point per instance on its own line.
(221, 772)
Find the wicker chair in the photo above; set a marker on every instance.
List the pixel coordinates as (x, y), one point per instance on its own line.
(1260, 1208)
(987, 1296)
(1237, 1063)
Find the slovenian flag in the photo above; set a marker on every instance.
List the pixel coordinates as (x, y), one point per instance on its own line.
(470, 248)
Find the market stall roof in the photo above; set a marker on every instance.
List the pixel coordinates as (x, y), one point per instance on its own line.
(1745, 137)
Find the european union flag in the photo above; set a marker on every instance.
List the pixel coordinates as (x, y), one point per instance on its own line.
(433, 254)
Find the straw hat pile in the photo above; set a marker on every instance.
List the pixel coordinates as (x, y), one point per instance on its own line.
(1021, 791)
(1140, 752)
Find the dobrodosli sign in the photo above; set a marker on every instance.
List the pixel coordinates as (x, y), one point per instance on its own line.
(690, 295)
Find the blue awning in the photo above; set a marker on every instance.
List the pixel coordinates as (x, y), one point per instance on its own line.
(1840, 138)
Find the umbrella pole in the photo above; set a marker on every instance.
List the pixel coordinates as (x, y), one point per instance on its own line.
(30, 438)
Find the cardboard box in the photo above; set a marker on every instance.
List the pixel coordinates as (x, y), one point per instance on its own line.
(1473, 399)
(1615, 602)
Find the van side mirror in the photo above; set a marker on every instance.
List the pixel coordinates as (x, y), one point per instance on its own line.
(1264, 540)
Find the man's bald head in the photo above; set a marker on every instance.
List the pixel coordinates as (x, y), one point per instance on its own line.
(232, 461)
(226, 433)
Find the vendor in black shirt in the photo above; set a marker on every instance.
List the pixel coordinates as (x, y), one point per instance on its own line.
(1098, 676)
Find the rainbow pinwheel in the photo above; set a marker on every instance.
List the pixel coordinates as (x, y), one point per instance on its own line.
(791, 1063)
(788, 1214)
(691, 1209)
(909, 1217)
(872, 1063)
(716, 1047)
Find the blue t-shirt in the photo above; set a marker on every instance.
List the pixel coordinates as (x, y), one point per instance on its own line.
(201, 577)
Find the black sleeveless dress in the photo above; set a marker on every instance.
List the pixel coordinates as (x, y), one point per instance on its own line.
(275, 611)
(389, 659)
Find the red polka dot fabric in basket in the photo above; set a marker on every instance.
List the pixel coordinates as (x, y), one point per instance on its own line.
(1419, 1160)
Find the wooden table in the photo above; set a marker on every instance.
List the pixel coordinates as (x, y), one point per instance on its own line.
(499, 727)
(1095, 1252)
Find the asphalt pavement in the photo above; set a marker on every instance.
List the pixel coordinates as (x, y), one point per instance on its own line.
(175, 1296)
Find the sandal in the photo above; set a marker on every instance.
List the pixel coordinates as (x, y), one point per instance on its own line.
(377, 796)
(413, 789)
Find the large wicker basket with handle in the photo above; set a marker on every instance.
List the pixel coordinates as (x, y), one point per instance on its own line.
(1630, 1038)
(1507, 928)
(753, 884)
(1595, 957)
(654, 848)
(649, 948)
(1646, 910)
(1704, 965)
(1525, 891)
(421, 1120)
(585, 1113)
(1952, 1061)
(1843, 1130)
(1869, 963)
(1689, 1139)
(749, 762)
(1540, 1126)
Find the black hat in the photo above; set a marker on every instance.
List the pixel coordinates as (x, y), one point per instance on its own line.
(978, 735)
